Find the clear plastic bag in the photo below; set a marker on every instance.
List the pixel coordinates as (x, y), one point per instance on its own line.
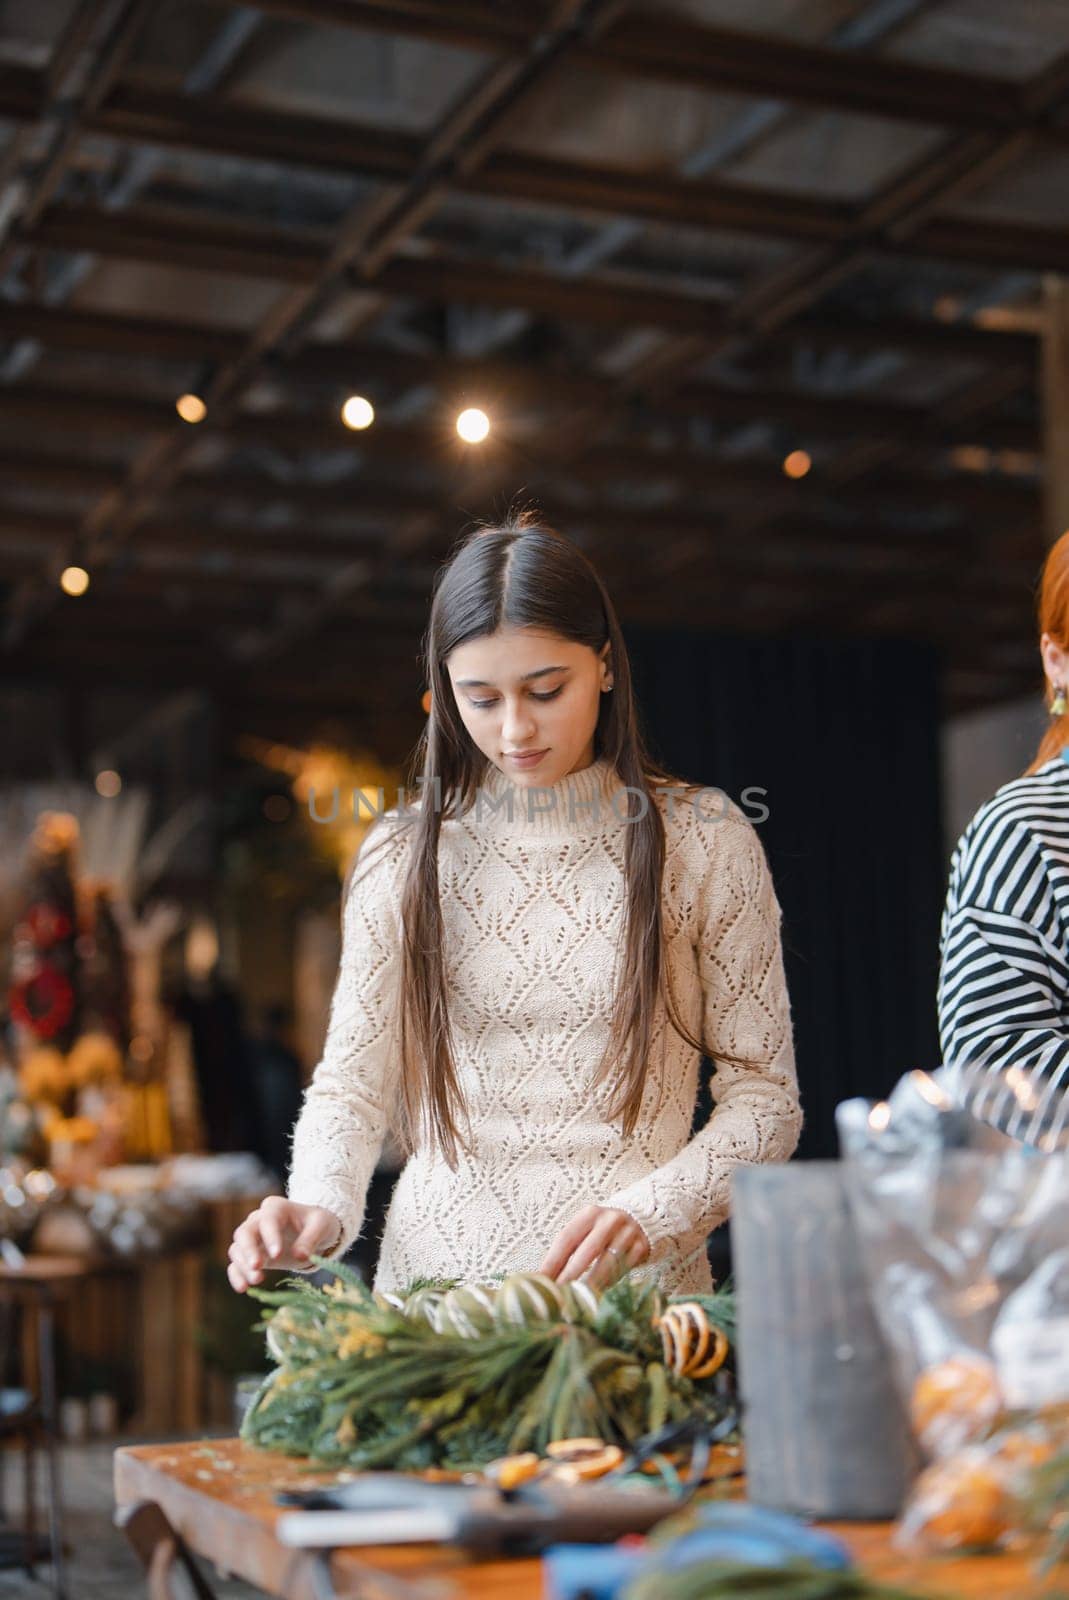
(967, 1256)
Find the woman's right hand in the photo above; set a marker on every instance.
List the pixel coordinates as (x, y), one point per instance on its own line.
(279, 1234)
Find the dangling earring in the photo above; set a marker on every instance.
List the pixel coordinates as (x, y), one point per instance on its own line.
(1059, 704)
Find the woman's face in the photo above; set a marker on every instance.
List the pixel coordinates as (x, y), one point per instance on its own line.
(525, 690)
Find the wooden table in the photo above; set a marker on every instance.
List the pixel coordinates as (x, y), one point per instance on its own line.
(218, 1495)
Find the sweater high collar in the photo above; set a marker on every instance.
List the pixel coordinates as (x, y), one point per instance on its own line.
(581, 804)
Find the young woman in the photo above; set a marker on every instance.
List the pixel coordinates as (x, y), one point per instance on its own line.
(534, 958)
(1004, 978)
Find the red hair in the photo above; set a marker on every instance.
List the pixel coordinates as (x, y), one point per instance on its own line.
(1054, 619)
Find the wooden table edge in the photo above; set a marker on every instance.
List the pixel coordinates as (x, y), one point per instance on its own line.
(241, 1539)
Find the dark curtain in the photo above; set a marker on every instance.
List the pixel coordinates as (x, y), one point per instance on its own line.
(843, 736)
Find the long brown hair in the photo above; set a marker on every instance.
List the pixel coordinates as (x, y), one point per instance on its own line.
(518, 573)
(1053, 609)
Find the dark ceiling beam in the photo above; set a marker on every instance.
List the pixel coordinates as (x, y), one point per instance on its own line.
(928, 340)
(204, 244)
(60, 473)
(138, 113)
(223, 540)
(466, 24)
(182, 238)
(23, 92)
(149, 115)
(659, 197)
(105, 333)
(167, 553)
(106, 416)
(134, 595)
(90, 54)
(346, 361)
(36, 470)
(145, 629)
(815, 415)
(775, 68)
(994, 243)
(649, 44)
(915, 557)
(908, 495)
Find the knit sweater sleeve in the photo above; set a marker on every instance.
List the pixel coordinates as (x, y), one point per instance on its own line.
(343, 1119)
(746, 1030)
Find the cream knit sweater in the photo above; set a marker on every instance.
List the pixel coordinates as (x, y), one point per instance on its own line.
(532, 906)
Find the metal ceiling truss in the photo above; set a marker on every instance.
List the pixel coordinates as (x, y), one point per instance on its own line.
(987, 126)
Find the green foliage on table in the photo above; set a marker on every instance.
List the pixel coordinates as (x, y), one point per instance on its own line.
(455, 1376)
(796, 1580)
(1044, 1505)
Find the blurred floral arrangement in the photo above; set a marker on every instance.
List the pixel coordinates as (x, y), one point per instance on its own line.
(70, 1004)
(52, 1077)
(68, 968)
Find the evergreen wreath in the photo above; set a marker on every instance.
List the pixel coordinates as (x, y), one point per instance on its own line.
(458, 1376)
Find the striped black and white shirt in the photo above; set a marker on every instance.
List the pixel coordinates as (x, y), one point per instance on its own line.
(1004, 978)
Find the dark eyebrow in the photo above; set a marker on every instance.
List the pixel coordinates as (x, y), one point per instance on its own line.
(477, 683)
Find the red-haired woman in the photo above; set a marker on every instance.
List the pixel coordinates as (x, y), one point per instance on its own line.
(1004, 979)
(501, 1000)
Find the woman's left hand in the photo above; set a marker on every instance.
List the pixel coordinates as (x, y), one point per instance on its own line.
(599, 1244)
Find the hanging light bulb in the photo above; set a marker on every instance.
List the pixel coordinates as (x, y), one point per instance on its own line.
(357, 413)
(108, 784)
(74, 580)
(191, 408)
(797, 464)
(473, 425)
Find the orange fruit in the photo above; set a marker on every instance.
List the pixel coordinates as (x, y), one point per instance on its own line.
(959, 1501)
(954, 1401)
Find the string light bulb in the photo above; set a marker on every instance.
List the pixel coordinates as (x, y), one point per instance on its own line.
(797, 464)
(74, 580)
(108, 784)
(191, 408)
(357, 413)
(473, 425)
